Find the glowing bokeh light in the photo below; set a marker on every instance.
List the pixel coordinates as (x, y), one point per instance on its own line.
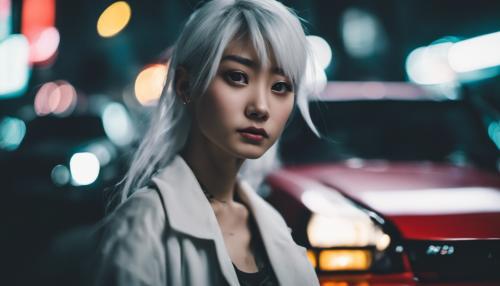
(494, 133)
(67, 98)
(337, 222)
(362, 33)
(55, 97)
(114, 19)
(14, 65)
(149, 84)
(60, 175)
(429, 65)
(37, 24)
(325, 231)
(383, 242)
(117, 124)
(475, 53)
(84, 168)
(42, 98)
(44, 45)
(12, 131)
(345, 260)
(321, 50)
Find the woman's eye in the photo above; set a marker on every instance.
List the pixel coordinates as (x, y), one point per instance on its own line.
(237, 77)
(282, 87)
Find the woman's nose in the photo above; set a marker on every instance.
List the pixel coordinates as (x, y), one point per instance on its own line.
(258, 106)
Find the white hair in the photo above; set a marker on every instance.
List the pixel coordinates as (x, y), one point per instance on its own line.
(269, 25)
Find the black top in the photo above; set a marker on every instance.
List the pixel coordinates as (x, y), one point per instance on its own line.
(265, 275)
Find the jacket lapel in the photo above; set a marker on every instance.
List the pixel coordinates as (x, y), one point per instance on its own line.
(284, 255)
(188, 210)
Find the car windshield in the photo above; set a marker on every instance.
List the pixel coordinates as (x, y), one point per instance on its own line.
(395, 130)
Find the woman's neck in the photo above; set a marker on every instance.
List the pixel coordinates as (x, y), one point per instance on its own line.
(215, 169)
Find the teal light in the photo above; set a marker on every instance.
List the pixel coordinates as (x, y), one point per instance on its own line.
(494, 132)
(12, 131)
(14, 66)
(60, 175)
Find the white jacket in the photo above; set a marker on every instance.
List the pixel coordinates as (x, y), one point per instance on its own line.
(169, 235)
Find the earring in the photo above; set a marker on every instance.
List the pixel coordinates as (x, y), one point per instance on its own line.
(186, 100)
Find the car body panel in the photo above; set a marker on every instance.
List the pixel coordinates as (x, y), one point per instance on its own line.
(425, 201)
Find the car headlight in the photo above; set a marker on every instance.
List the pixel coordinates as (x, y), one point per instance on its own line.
(346, 237)
(330, 231)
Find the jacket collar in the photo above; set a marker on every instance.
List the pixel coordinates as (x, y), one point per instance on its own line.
(188, 211)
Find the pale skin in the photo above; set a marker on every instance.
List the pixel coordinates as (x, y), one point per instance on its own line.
(242, 94)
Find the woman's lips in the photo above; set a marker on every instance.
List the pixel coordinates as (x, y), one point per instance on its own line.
(252, 136)
(253, 133)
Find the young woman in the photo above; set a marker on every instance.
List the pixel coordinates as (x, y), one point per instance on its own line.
(184, 216)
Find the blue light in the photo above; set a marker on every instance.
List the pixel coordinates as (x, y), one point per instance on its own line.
(12, 131)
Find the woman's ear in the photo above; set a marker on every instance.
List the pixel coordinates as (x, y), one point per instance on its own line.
(181, 84)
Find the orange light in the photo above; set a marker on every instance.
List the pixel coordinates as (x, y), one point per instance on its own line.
(345, 260)
(114, 19)
(312, 257)
(149, 84)
(343, 283)
(334, 284)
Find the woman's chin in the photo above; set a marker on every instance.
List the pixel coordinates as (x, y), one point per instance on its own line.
(251, 152)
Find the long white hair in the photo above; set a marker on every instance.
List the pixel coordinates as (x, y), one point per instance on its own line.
(269, 25)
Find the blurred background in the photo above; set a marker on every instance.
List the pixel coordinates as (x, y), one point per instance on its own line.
(405, 80)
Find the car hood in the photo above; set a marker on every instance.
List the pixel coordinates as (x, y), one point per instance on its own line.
(425, 201)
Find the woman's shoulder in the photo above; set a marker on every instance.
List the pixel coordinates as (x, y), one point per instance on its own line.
(143, 201)
(138, 220)
(141, 210)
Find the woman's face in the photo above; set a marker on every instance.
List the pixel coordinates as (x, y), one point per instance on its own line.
(246, 106)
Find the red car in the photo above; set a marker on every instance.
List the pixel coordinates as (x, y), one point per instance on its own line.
(403, 188)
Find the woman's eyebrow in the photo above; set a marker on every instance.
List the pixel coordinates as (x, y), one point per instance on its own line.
(239, 59)
(249, 63)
